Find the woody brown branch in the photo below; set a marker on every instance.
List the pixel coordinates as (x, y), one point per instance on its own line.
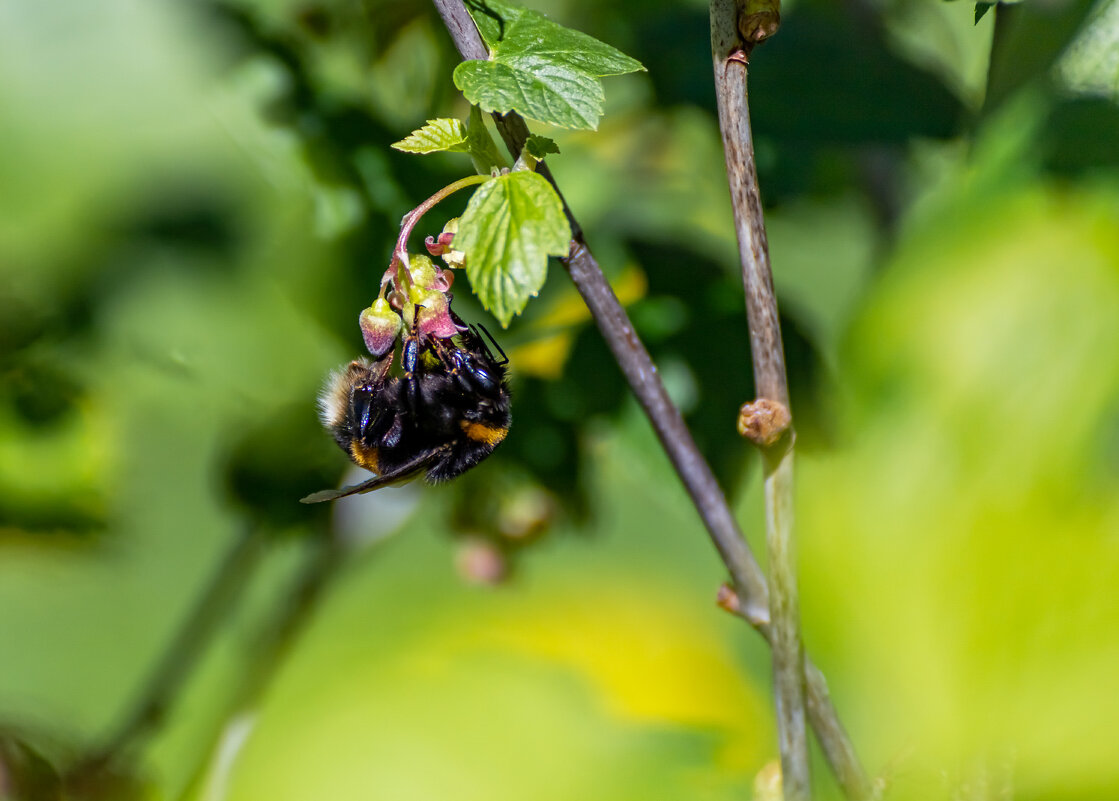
(749, 585)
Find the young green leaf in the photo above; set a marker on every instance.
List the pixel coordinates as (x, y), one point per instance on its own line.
(534, 151)
(538, 68)
(437, 135)
(455, 136)
(540, 146)
(510, 227)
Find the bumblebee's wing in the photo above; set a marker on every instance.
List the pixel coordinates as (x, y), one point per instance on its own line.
(404, 472)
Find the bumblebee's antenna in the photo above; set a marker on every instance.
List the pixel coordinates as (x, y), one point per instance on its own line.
(504, 359)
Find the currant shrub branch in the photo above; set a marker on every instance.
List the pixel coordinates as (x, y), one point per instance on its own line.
(750, 593)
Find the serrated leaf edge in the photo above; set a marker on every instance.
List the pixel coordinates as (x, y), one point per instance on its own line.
(458, 146)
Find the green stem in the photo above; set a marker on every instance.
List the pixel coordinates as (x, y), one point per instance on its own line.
(729, 54)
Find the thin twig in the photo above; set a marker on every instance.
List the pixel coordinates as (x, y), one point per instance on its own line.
(184, 652)
(634, 360)
(730, 53)
(301, 599)
(752, 596)
(824, 719)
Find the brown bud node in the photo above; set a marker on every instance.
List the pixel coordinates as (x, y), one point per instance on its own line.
(759, 26)
(727, 599)
(763, 421)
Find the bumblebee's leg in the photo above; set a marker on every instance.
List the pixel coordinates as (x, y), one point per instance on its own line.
(458, 321)
(384, 430)
(410, 357)
(446, 467)
(375, 423)
(404, 472)
(448, 358)
(458, 459)
(361, 410)
(504, 359)
(380, 368)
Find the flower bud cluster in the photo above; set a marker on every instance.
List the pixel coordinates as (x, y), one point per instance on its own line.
(418, 298)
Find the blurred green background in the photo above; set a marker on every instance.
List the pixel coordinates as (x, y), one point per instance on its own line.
(197, 199)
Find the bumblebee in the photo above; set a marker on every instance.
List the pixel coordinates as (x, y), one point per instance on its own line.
(447, 413)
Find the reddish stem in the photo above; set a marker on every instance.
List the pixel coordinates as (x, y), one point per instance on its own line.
(400, 252)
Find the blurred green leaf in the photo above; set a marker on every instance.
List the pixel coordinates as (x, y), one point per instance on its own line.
(1029, 39)
(404, 79)
(279, 460)
(1081, 137)
(511, 226)
(980, 376)
(1090, 65)
(25, 775)
(828, 80)
(607, 673)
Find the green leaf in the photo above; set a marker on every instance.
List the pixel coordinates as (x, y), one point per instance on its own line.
(455, 136)
(483, 151)
(538, 68)
(437, 135)
(493, 18)
(534, 151)
(1030, 42)
(983, 6)
(1089, 66)
(540, 146)
(564, 98)
(510, 227)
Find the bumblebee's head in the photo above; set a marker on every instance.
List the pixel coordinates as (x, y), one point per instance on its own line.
(480, 380)
(476, 369)
(479, 375)
(336, 407)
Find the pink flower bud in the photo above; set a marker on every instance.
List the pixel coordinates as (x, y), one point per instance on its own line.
(380, 326)
(442, 244)
(433, 314)
(443, 280)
